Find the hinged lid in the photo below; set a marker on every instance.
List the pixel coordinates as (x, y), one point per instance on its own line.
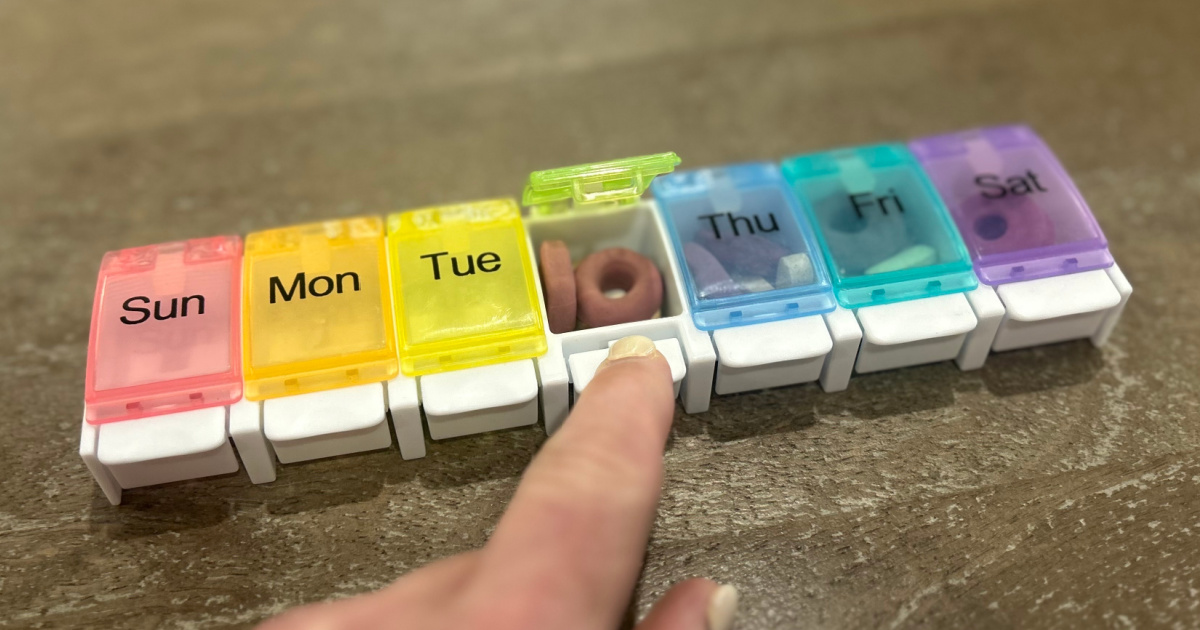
(885, 233)
(749, 255)
(463, 287)
(1019, 212)
(165, 330)
(594, 186)
(316, 311)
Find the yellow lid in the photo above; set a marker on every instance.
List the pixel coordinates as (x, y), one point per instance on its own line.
(316, 311)
(463, 285)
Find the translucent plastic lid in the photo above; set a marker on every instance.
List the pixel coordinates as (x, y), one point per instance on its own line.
(1017, 209)
(464, 288)
(594, 186)
(749, 256)
(164, 332)
(317, 313)
(885, 233)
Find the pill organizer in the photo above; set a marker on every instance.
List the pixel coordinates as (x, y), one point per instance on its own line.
(1031, 236)
(755, 279)
(894, 255)
(447, 321)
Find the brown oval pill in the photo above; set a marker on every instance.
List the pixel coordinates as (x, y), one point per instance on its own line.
(612, 269)
(558, 283)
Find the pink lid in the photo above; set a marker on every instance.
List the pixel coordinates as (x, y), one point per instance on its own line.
(165, 330)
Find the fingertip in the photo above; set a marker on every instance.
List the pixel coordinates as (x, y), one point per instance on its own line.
(634, 378)
(586, 503)
(686, 606)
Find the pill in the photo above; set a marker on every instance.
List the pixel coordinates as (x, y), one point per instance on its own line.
(1008, 225)
(860, 242)
(794, 270)
(617, 269)
(750, 254)
(911, 258)
(558, 284)
(752, 284)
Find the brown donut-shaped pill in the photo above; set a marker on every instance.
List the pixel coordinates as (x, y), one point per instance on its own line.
(617, 268)
(558, 285)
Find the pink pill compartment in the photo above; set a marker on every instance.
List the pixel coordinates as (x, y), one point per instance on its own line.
(165, 332)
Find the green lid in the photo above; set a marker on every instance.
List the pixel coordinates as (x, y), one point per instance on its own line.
(599, 185)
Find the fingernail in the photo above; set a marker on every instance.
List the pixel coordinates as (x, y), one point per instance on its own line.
(631, 347)
(722, 608)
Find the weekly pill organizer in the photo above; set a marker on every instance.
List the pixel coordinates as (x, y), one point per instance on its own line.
(338, 337)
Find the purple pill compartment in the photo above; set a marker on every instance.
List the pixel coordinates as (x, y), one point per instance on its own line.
(1018, 211)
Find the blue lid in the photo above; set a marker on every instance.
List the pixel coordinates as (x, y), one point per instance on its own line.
(886, 235)
(747, 253)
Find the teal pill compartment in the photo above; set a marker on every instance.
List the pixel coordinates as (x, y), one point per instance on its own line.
(748, 254)
(886, 234)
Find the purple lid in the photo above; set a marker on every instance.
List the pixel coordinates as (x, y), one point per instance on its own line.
(1019, 213)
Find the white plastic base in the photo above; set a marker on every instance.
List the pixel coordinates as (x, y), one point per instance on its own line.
(556, 384)
(583, 365)
(915, 332)
(156, 450)
(328, 423)
(88, 438)
(847, 338)
(1049, 310)
(246, 429)
(989, 311)
(638, 227)
(773, 354)
(404, 403)
(476, 400)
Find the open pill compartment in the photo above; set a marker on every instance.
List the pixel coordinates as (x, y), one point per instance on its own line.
(596, 240)
(317, 311)
(165, 332)
(593, 211)
(748, 257)
(1030, 234)
(886, 235)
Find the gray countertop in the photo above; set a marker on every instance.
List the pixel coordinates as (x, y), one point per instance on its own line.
(1056, 487)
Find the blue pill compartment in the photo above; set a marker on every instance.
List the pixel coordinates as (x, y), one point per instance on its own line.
(886, 234)
(741, 221)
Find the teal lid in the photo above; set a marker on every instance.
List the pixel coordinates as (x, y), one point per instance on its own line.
(885, 233)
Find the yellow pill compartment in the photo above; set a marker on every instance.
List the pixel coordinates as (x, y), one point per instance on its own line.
(463, 287)
(316, 310)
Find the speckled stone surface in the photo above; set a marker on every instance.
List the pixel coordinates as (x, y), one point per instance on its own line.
(1057, 487)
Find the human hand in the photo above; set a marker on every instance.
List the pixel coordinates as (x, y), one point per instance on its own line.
(567, 552)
